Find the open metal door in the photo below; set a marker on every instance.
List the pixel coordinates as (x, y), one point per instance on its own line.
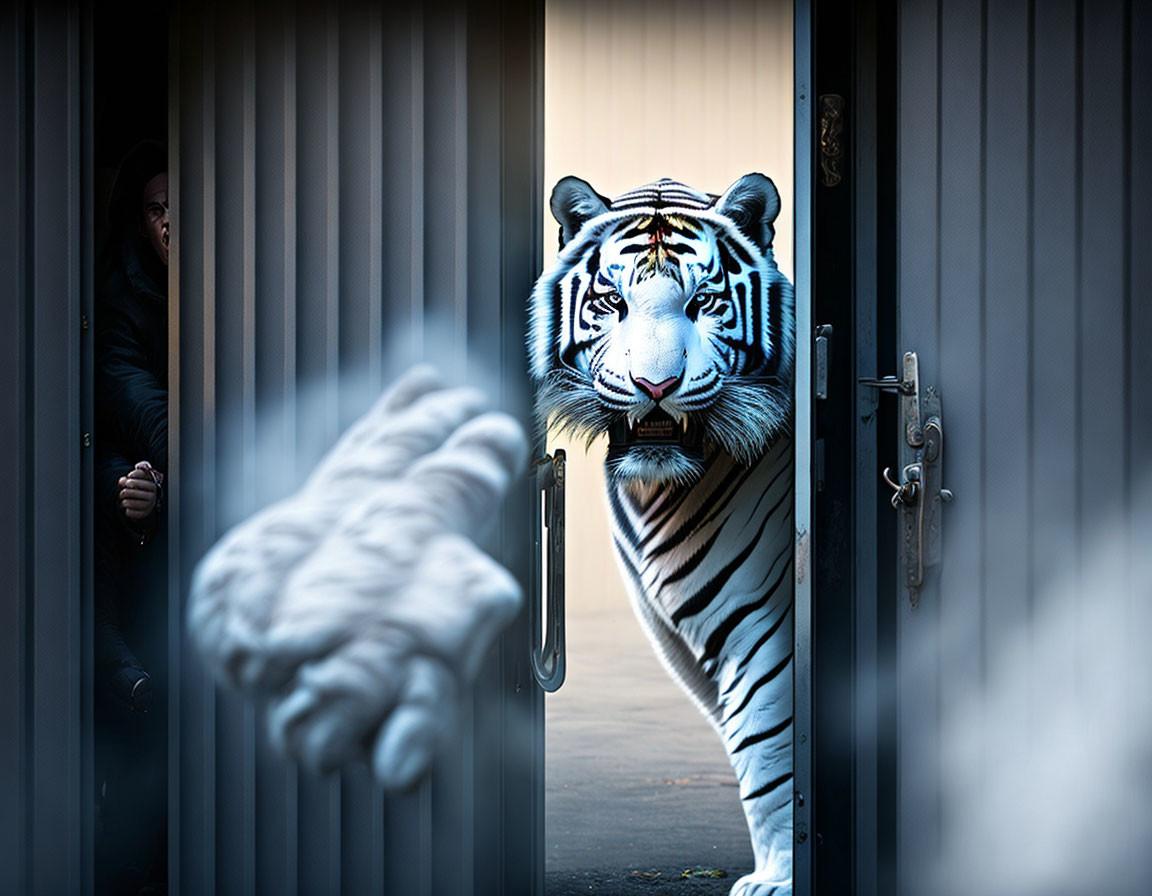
(354, 187)
(1021, 213)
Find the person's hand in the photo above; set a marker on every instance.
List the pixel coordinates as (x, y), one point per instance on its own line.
(362, 603)
(138, 492)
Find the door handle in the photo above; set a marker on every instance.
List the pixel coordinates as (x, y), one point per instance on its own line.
(547, 621)
(918, 494)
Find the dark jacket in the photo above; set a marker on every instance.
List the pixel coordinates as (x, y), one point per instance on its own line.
(131, 398)
(131, 370)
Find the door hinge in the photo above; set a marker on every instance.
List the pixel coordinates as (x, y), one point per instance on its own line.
(918, 494)
(831, 138)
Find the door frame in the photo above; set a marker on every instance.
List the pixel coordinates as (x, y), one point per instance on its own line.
(803, 171)
(853, 624)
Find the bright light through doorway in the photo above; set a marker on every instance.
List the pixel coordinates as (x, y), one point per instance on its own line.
(637, 781)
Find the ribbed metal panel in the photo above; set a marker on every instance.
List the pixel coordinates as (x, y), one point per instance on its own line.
(355, 188)
(45, 272)
(1022, 210)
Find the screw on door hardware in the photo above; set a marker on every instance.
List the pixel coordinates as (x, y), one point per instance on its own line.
(919, 493)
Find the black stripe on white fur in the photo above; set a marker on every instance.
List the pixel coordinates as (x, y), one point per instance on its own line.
(721, 619)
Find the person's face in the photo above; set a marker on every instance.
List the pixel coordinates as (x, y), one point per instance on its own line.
(154, 214)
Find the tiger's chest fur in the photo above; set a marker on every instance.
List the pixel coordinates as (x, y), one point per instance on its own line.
(709, 569)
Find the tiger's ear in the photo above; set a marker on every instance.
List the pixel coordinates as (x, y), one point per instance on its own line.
(574, 202)
(753, 204)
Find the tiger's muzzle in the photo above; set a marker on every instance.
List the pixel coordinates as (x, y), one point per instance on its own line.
(655, 428)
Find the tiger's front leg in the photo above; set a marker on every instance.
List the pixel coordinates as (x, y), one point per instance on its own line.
(710, 572)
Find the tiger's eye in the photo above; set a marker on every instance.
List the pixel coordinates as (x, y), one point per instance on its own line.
(608, 304)
(711, 303)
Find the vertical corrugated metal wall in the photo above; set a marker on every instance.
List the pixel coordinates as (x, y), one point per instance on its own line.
(45, 288)
(1024, 134)
(356, 187)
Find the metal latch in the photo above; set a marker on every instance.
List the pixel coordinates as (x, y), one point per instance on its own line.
(918, 494)
(820, 378)
(548, 658)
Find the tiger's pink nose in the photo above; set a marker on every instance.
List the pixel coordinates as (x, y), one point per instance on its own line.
(656, 391)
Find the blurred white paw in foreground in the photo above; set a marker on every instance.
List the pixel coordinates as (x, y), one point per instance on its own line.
(361, 604)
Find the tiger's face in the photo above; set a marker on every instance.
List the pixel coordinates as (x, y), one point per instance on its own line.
(666, 324)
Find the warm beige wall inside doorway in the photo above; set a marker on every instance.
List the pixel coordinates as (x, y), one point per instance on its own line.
(697, 91)
(701, 92)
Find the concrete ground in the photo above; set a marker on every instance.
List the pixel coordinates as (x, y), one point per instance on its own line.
(638, 786)
(620, 882)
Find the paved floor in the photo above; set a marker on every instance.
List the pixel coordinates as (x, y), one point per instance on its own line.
(623, 882)
(638, 786)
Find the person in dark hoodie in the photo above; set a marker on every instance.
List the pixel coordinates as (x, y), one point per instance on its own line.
(131, 398)
(131, 402)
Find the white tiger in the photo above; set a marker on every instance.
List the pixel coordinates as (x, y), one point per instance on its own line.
(666, 324)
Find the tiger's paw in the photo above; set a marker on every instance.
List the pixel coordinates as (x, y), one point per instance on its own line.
(361, 604)
(761, 885)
